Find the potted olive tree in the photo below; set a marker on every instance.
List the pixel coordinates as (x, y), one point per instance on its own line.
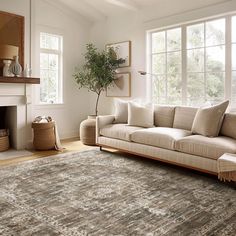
(96, 75)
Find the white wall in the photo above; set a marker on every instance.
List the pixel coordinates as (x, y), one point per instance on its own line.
(75, 32)
(134, 26)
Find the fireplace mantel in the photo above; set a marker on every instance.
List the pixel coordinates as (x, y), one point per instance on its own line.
(20, 80)
(16, 93)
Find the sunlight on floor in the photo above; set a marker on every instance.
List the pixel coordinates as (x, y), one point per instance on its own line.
(70, 145)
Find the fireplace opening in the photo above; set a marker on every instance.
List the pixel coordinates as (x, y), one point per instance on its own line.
(3, 117)
(8, 119)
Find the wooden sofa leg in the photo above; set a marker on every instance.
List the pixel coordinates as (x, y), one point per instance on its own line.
(100, 148)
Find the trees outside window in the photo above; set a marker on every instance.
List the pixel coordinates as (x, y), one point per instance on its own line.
(189, 62)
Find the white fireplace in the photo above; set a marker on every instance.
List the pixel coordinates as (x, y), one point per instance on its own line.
(17, 99)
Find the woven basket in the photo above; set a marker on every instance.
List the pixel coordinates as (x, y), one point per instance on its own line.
(4, 143)
(44, 136)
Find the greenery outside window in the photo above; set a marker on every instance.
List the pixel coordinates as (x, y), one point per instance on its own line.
(189, 63)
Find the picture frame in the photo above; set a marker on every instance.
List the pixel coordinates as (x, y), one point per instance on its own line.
(122, 50)
(121, 87)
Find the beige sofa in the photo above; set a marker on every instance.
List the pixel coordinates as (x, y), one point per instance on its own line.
(171, 139)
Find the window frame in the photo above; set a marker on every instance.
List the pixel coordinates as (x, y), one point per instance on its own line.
(38, 50)
(184, 49)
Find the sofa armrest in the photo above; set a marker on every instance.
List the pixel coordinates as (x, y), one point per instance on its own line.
(102, 121)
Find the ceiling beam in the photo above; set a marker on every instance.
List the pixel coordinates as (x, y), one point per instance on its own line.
(128, 5)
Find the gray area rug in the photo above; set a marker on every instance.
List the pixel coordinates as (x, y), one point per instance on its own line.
(102, 193)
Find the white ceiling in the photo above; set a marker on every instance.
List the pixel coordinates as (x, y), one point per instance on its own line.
(95, 10)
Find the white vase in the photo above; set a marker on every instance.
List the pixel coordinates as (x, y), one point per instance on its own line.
(6, 68)
(15, 67)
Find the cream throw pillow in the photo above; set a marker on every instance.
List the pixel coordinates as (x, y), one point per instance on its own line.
(140, 115)
(208, 121)
(121, 111)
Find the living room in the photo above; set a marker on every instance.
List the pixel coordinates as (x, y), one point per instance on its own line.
(164, 164)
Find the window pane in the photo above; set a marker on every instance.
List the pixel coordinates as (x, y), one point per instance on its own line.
(159, 63)
(233, 29)
(233, 56)
(215, 32)
(174, 89)
(53, 62)
(43, 85)
(174, 39)
(195, 36)
(215, 58)
(49, 41)
(195, 88)
(159, 89)
(174, 62)
(195, 60)
(52, 86)
(215, 87)
(44, 64)
(158, 42)
(234, 88)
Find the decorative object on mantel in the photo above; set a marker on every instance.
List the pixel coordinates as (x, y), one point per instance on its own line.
(4, 140)
(7, 53)
(12, 33)
(27, 71)
(15, 67)
(122, 50)
(98, 72)
(46, 135)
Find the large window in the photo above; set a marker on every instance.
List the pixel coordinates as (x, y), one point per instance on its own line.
(188, 63)
(50, 68)
(166, 65)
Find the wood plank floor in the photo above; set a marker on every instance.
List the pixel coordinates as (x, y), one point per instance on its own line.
(69, 145)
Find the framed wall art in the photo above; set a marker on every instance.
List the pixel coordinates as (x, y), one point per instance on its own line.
(122, 50)
(121, 87)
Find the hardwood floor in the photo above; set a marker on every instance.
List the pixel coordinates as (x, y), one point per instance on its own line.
(69, 145)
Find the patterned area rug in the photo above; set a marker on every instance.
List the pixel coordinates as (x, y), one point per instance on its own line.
(102, 193)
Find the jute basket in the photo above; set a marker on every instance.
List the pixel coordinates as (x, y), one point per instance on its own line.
(4, 143)
(44, 136)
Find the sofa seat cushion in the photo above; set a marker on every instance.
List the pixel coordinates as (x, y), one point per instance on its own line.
(159, 136)
(212, 148)
(118, 131)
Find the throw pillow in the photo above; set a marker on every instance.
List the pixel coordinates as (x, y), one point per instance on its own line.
(140, 115)
(228, 126)
(208, 121)
(121, 111)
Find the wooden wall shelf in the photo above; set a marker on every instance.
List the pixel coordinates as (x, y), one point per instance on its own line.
(20, 80)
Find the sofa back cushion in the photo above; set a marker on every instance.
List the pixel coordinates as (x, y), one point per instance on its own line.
(164, 116)
(208, 120)
(184, 117)
(228, 127)
(140, 115)
(121, 111)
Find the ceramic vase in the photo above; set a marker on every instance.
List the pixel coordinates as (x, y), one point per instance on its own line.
(6, 68)
(15, 67)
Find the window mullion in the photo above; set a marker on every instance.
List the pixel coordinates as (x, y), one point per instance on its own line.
(228, 58)
(184, 65)
(166, 77)
(204, 68)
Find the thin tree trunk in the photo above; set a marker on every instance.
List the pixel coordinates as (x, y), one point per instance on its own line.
(96, 107)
